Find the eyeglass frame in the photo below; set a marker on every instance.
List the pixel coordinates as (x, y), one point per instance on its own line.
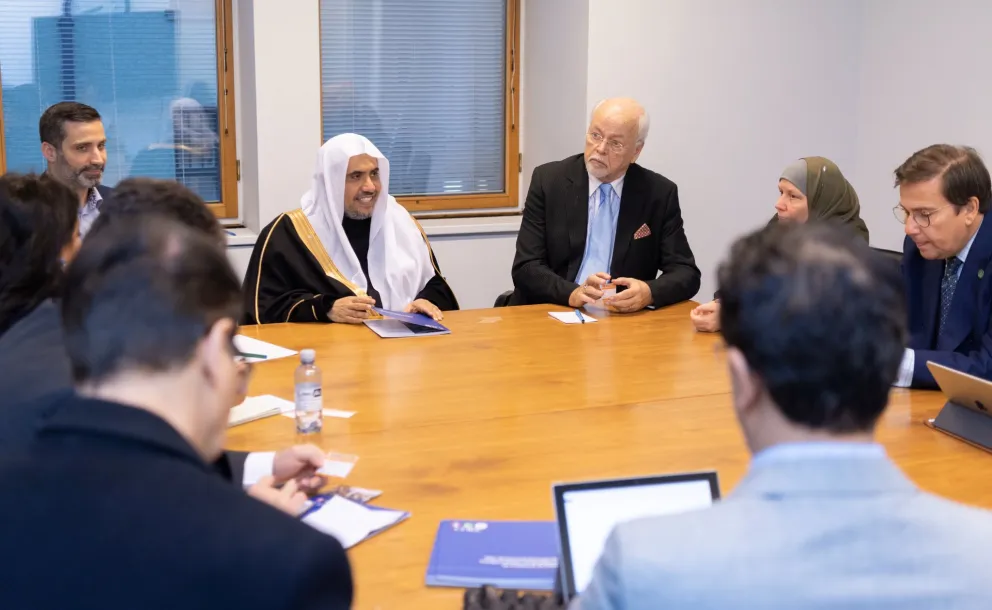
(899, 210)
(595, 138)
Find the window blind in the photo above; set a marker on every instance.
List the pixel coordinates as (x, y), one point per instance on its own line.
(149, 67)
(425, 82)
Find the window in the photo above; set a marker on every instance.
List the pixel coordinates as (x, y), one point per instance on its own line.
(433, 84)
(159, 72)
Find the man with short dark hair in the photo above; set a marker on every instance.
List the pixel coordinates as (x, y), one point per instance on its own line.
(37, 364)
(814, 326)
(74, 144)
(118, 504)
(134, 197)
(944, 193)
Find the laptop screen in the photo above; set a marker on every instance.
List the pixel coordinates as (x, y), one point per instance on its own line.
(587, 513)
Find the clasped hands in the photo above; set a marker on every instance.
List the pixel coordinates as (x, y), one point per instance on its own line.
(636, 297)
(355, 310)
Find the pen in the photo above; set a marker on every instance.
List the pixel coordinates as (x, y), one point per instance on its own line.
(579, 313)
(257, 356)
(230, 233)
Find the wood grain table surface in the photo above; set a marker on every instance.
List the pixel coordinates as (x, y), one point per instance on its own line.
(478, 424)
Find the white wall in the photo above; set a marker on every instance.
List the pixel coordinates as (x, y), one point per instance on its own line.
(281, 119)
(924, 80)
(554, 112)
(736, 91)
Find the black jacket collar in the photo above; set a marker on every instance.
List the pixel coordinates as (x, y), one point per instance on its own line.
(74, 415)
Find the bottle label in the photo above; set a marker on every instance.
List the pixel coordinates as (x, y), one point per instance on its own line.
(309, 397)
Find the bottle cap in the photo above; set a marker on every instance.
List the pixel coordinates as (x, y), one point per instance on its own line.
(307, 356)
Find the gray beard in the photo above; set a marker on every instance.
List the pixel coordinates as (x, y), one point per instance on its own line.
(357, 215)
(72, 178)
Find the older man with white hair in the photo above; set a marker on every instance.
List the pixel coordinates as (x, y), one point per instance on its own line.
(600, 218)
(349, 247)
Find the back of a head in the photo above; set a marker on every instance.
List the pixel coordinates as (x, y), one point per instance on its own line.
(38, 219)
(143, 196)
(820, 318)
(141, 295)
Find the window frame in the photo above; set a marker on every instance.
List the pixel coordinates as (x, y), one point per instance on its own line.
(227, 207)
(509, 198)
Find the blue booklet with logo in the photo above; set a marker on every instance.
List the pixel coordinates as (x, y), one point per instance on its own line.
(504, 554)
(401, 324)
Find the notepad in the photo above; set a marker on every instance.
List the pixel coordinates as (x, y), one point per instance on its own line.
(260, 351)
(256, 407)
(572, 317)
(351, 522)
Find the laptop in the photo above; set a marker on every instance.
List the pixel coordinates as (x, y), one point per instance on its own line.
(587, 512)
(968, 412)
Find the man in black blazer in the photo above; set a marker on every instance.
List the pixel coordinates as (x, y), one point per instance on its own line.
(34, 364)
(599, 217)
(118, 505)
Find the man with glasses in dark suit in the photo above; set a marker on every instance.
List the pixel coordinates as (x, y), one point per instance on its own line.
(599, 218)
(944, 194)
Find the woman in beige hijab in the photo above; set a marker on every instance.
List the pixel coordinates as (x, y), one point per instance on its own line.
(810, 189)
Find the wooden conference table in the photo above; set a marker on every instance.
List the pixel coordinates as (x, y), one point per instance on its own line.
(478, 424)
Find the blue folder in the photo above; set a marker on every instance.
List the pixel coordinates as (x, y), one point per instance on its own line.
(401, 324)
(504, 554)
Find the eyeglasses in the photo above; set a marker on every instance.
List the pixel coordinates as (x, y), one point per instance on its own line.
(920, 218)
(595, 138)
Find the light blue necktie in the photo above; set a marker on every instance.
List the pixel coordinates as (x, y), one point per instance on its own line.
(599, 251)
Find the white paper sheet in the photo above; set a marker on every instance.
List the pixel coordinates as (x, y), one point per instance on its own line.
(572, 317)
(350, 522)
(250, 345)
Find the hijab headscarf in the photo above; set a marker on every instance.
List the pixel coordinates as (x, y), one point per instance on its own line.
(828, 194)
(398, 259)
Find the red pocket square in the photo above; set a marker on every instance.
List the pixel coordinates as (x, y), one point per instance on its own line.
(643, 232)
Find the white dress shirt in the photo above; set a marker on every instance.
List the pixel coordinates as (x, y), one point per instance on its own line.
(258, 464)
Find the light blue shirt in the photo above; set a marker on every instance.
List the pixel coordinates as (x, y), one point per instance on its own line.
(89, 211)
(820, 450)
(908, 364)
(594, 185)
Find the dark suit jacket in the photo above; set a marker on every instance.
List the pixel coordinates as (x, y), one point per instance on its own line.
(552, 238)
(966, 343)
(33, 366)
(105, 191)
(115, 509)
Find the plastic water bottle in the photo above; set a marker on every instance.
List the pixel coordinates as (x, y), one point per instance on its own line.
(309, 394)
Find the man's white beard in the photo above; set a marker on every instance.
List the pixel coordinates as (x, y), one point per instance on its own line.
(596, 172)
